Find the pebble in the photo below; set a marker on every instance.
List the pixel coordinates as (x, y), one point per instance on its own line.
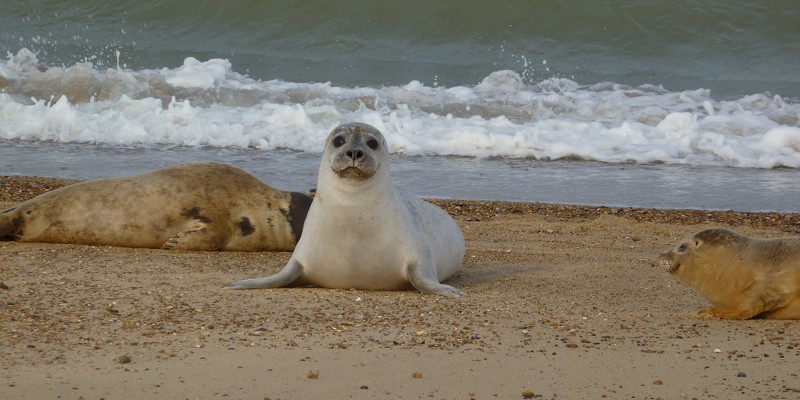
(527, 394)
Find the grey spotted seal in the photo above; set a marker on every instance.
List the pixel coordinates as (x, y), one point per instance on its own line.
(197, 206)
(743, 277)
(364, 233)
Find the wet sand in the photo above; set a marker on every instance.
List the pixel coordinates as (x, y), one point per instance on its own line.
(560, 302)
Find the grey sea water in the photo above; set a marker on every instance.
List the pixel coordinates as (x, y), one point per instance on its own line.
(680, 99)
(565, 182)
(734, 47)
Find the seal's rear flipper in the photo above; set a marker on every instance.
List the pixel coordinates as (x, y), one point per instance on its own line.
(422, 280)
(288, 275)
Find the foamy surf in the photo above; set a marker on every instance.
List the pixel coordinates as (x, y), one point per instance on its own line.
(207, 103)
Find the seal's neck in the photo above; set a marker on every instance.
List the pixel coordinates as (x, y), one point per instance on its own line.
(346, 190)
(717, 275)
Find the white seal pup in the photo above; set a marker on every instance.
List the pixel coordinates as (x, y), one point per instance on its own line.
(197, 206)
(362, 232)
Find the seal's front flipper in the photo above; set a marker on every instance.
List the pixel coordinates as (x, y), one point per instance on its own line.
(424, 280)
(715, 312)
(198, 235)
(7, 226)
(288, 275)
(790, 311)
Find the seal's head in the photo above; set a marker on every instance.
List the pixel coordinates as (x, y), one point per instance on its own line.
(701, 248)
(355, 151)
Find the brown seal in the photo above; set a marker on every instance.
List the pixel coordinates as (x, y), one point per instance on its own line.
(743, 277)
(197, 206)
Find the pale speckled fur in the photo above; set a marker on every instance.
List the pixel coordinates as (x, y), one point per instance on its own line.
(196, 206)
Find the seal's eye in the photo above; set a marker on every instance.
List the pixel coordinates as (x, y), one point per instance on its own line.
(338, 141)
(682, 248)
(372, 143)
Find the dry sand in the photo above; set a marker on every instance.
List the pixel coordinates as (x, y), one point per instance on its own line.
(560, 302)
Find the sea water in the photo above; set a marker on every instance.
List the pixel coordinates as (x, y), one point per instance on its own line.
(691, 104)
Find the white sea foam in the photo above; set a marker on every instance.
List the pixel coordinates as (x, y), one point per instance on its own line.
(207, 103)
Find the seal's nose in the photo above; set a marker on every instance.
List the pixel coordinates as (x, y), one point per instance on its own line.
(354, 154)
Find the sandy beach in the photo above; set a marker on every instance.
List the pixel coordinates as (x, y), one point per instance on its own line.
(561, 302)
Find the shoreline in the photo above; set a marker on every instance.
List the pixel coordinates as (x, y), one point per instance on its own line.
(561, 301)
(20, 188)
